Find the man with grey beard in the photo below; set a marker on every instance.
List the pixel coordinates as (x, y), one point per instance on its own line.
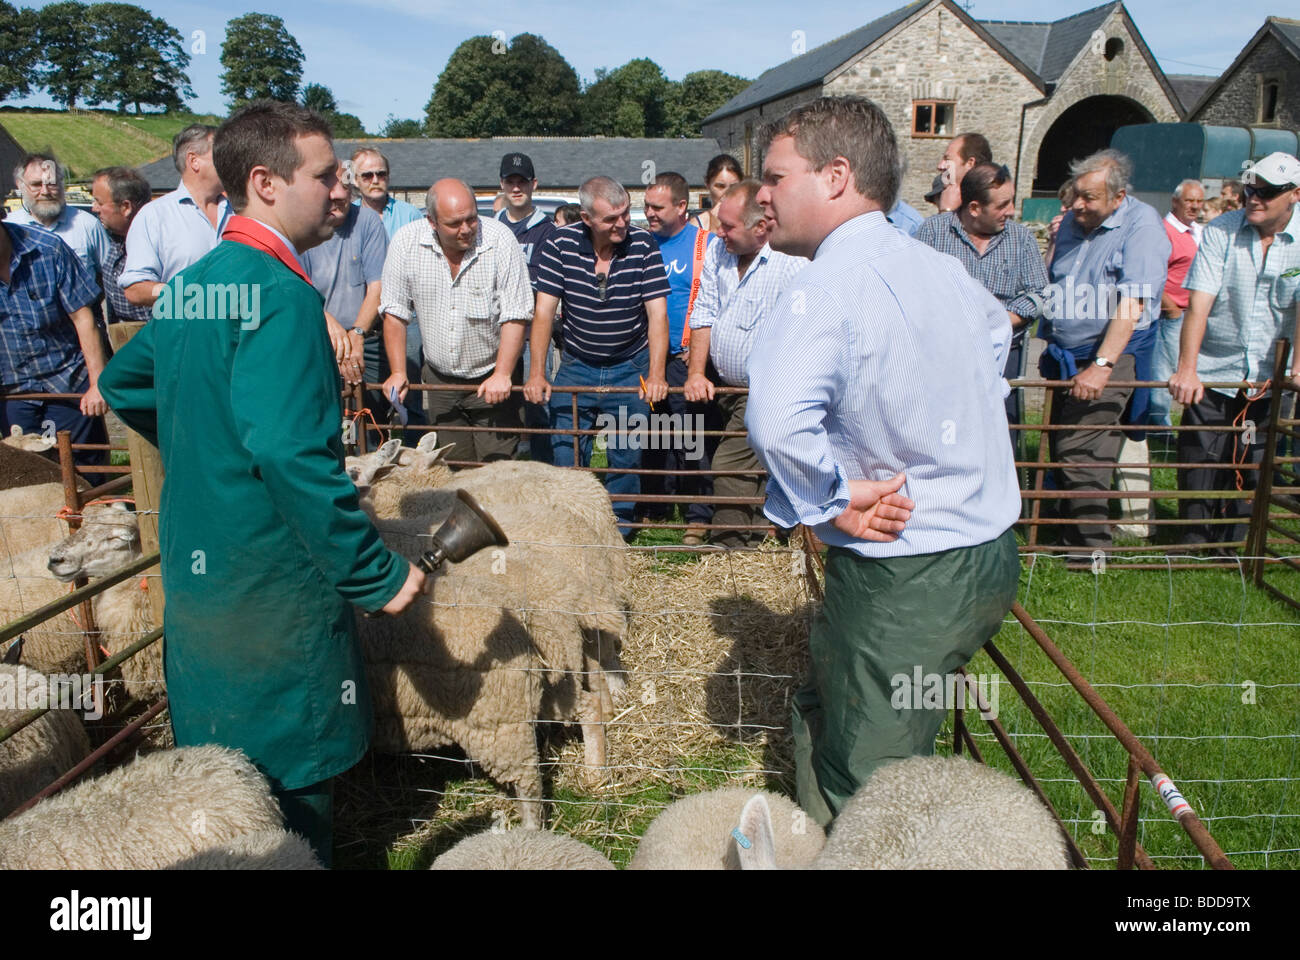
(39, 179)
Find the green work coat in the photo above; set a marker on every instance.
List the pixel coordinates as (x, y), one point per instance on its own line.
(264, 547)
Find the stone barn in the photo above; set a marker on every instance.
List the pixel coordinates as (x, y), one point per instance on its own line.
(1262, 86)
(1043, 93)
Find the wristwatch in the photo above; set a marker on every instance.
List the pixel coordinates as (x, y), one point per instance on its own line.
(1102, 362)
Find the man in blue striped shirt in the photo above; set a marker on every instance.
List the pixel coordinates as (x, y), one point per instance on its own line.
(880, 364)
(610, 277)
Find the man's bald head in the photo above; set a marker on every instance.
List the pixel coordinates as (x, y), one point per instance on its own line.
(454, 214)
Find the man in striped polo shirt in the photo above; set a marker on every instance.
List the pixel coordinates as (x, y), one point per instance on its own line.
(610, 277)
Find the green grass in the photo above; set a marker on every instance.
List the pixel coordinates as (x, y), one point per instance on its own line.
(85, 141)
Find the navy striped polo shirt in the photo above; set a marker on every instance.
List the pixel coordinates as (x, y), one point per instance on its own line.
(608, 330)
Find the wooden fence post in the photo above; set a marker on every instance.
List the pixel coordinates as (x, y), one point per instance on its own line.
(146, 479)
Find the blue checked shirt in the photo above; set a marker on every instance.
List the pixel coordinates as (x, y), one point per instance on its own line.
(39, 348)
(734, 307)
(119, 307)
(881, 356)
(1254, 302)
(1126, 257)
(1010, 268)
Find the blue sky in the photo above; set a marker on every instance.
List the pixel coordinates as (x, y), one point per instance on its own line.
(383, 56)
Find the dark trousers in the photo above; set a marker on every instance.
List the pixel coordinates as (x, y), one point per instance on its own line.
(52, 416)
(670, 450)
(469, 409)
(377, 371)
(881, 621)
(1069, 446)
(735, 453)
(1215, 409)
(309, 811)
(1014, 370)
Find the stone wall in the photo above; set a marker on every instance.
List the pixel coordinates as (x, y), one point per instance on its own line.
(1127, 75)
(1236, 103)
(730, 132)
(938, 57)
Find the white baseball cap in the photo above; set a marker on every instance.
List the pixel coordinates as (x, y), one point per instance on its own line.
(1279, 169)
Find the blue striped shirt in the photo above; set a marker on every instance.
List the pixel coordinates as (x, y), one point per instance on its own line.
(613, 328)
(39, 348)
(882, 356)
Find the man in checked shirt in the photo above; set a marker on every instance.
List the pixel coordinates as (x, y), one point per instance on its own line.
(465, 281)
(999, 253)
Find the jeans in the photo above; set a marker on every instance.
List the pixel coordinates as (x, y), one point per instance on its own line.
(686, 454)
(1163, 365)
(33, 416)
(614, 409)
(538, 445)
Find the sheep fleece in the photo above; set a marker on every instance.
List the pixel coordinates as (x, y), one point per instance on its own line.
(521, 850)
(41, 752)
(694, 833)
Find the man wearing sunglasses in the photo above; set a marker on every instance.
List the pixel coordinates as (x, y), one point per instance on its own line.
(1243, 291)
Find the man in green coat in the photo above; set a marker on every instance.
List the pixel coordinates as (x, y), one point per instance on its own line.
(264, 547)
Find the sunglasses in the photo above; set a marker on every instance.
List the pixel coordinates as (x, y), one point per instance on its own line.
(601, 280)
(369, 175)
(1266, 192)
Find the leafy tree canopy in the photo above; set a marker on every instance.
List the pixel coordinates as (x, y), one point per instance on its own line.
(260, 59)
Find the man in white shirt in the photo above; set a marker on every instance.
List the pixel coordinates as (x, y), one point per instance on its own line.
(39, 179)
(464, 280)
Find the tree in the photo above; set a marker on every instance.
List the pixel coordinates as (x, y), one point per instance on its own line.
(631, 101)
(318, 97)
(138, 58)
(346, 126)
(18, 51)
(66, 50)
(490, 89)
(698, 95)
(396, 129)
(261, 60)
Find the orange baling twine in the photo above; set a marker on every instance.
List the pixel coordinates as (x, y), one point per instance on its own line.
(1239, 421)
(366, 412)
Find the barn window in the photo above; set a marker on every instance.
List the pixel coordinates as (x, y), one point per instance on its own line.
(933, 118)
(1114, 47)
(1269, 91)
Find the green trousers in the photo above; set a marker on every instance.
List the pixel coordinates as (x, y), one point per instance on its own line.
(881, 620)
(309, 811)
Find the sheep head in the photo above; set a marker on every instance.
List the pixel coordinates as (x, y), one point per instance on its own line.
(421, 462)
(32, 442)
(108, 539)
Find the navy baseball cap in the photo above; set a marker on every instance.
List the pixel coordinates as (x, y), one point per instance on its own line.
(517, 164)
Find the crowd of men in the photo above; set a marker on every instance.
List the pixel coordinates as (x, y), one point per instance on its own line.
(867, 369)
(490, 312)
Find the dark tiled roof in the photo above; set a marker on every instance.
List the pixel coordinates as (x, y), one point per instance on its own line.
(1288, 30)
(812, 67)
(1049, 48)
(1190, 87)
(561, 162)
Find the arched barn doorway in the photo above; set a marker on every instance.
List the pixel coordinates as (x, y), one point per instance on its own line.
(1084, 128)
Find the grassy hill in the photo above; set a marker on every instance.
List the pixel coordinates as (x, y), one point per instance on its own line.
(85, 141)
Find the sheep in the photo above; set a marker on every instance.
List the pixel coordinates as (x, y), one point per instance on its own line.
(42, 751)
(510, 637)
(159, 810)
(521, 850)
(108, 540)
(263, 850)
(32, 442)
(696, 833)
(57, 645)
(31, 499)
(929, 813)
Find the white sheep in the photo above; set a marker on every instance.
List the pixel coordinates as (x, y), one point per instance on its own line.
(510, 637)
(697, 833)
(160, 810)
(56, 645)
(42, 751)
(263, 850)
(521, 850)
(108, 540)
(31, 498)
(31, 442)
(928, 813)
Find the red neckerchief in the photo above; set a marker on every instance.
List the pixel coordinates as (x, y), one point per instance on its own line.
(257, 235)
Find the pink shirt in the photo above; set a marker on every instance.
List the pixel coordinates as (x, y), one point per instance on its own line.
(1183, 240)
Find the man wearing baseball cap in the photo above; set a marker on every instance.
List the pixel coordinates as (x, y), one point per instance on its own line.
(1243, 286)
(531, 228)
